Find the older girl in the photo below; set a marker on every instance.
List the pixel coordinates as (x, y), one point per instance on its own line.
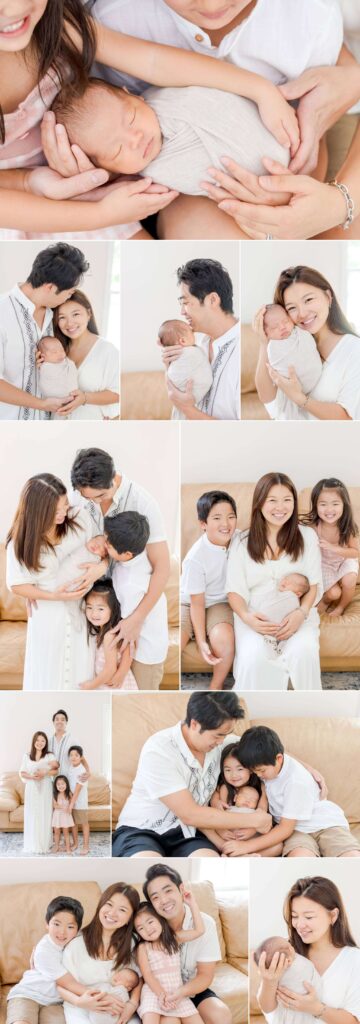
(332, 517)
(311, 303)
(37, 769)
(96, 360)
(274, 546)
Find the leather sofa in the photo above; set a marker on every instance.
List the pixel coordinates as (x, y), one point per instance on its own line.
(27, 903)
(251, 407)
(339, 639)
(144, 396)
(12, 803)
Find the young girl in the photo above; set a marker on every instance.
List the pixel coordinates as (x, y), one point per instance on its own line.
(332, 517)
(62, 819)
(233, 777)
(158, 956)
(103, 612)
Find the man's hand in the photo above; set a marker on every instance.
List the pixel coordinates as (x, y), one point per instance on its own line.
(43, 181)
(325, 94)
(128, 630)
(183, 400)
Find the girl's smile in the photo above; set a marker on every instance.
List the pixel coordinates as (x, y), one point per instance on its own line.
(330, 507)
(148, 927)
(97, 611)
(234, 773)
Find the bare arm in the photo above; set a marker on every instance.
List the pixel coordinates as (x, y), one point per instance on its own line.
(107, 675)
(278, 834)
(188, 811)
(147, 973)
(203, 979)
(33, 593)
(16, 396)
(187, 935)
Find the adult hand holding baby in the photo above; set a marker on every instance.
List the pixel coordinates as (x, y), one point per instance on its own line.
(309, 1003)
(325, 94)
(289, 385)
(279, 963)
(237, 183)
(290, 624)
(260, 623)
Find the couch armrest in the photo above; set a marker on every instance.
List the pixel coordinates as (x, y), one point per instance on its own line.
(234, 924)
(9, 798)
(240, 963)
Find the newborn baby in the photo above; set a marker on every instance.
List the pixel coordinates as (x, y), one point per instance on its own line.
(69, 572)
(290, 346)
(121, 983)
(276, 601)
(247, 799)
(193, 363)
(57, 374)
(173, 135)
(299, 969)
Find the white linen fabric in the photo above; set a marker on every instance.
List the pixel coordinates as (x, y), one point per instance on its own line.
(294, 794)
(37, 806)
(60, 749)
(99, 371)
(89, 972)
(193, 365)
(339, 382)
(300, 351)
(19, 336)
(129, 497)
(293, 978)
(39, 983)
(204, 571)
(131, 582)
(339, 986)
(57, 380)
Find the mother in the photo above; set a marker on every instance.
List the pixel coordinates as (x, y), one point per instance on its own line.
(318, 929)
(46, 530)
(274, 546)
(97, 361)
(37, 769)
(104, 945)
(311, 303)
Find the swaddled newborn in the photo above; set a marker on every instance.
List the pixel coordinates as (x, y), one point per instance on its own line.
(276, 600)
(300, 969)
(192, 364)
(57, 373)
(121, 983)
(246, 799)
(291, 346)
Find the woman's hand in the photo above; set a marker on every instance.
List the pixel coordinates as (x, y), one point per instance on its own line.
(258, 325)
(62, 593)
(280, 962)
(259, 622)
(92, 571)
(207, 653)
(240, 184)
(43, 181)
(309, 1003)
(126, 1013)
(134, 200)
(290, 624)
(52, 404)
(325, 94)
(289, 385)
(74, 401)
(95, 1000)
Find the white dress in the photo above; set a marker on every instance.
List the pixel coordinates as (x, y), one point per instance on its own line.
(339, 382)
(57, 655)
(37, 807)
(90, 972)
(99, 371)
(339, 987)
(253, 669)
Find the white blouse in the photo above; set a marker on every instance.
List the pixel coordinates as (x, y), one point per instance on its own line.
(99, 371)
(245, 577)
(339, 382)
(340, 987)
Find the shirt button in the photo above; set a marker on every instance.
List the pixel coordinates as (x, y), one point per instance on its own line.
(199, 38)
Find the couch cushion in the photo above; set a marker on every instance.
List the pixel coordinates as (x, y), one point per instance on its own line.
(242, 493)
(144, 396)
(232, 986)
(250, 345)
(234, 919)
(252, 408)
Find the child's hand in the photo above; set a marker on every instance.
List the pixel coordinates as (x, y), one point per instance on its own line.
(88, 685)
(279, 118)
(207, 654)
(189, 898)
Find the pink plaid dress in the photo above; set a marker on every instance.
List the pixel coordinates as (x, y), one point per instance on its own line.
(129, 682)
(166, 969)
(334, 567)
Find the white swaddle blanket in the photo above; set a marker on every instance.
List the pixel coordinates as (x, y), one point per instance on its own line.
(200, 126)
(293, 978)
(193, 364)
(57, 380)
(298, 350)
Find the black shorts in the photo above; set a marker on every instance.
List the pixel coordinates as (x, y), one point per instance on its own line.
(206, 994)
(127, 841)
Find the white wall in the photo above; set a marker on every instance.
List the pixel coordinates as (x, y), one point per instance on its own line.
(270, 881)
(226, 452)
(336, 704)
(147, 454)
(22, 714)
(102, 871)
(261, 265)
(150, 293)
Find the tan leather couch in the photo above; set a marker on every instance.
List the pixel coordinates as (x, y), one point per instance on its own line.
(339, 640)
(12, 803)
(251, 407)
(13, 631)
(329, 744)
(144, 396)
(27, 903)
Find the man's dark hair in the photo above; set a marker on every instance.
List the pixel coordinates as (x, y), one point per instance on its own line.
(259, 745)
(60, 712)
(61, 264)
(207, 501)
(92, 468)
(212, 709)
(205, 276)
(128, 531)
(65, 904)
(79, 750)
(158, 871)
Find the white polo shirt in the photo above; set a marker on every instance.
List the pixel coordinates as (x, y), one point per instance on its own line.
(39, 983)
(19, 335)
(204, 571)
(223, 399)
(60, 749)
(74, 773)
(295, 794)
(131, 582)
(129, 497)
(166, 765)
(204, 950)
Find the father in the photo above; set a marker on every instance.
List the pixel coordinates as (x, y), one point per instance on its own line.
(163, 887)
(206, 302)
(108, 492)
(60, 744)
(25, 318)
(166, 813)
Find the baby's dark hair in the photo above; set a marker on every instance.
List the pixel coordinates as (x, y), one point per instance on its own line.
(346, 525)
(128, 531)
(171, 331)
(167, 939)
(104, 587)
(66, 905)
(67, 790)
(207, 501)
(259, 745)
(232, 750)
(76, 112)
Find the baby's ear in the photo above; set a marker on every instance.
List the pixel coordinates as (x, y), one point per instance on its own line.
(182, 341)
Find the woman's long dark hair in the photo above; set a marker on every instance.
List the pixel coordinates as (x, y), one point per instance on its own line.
(289, 537)
(83, 301)
(67, 790)
(34, 518)
(323, 891)
(45, 750)
(120, 947)
(105, 587)
(167, 939)
(336, 321)
(346, 524)
(232, 750)
(55, 50)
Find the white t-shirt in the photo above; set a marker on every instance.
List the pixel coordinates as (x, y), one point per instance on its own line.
(204, 950)
(194, 365)
(223, 400)
(19, 336)
(74, 773)
(39, 983)
(339, 985)
(166, 765)
(204, 571)
(84, 968)
(131, 582)
(129, 497)
(295, 794)
(339, 382)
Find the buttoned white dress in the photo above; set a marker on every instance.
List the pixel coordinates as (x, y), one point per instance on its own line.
(37, 805)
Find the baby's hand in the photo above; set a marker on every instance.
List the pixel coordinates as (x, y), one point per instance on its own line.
(279, 118)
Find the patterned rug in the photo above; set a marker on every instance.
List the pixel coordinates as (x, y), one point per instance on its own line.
(11, 845)
(330, 681)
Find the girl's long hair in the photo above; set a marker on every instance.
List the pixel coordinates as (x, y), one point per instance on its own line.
(104, 586)
(346, 524)
(232, 750)
(120, 947)
(323, 891)
(167, 939)
(45, 750)
(54, 49)
(336, 321)
(34, 518)
(83, 301)
(56, 791)
(289, 537)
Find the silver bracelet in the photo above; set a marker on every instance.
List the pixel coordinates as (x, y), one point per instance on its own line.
(350, 205)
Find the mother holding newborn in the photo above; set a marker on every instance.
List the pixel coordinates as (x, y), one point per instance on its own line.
(274, 547)
(310, 301)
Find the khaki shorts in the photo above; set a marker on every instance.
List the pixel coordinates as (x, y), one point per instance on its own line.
(80, 816)
(214, 615)
(148, 677)
(329, 842)
(26, 1009)
(339, 139)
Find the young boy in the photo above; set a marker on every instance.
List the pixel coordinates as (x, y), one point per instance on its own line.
(79, 800)
(305, 824)
(38, 986)
(206, 615)
(192, 364)
(291, 346)
(126, 536)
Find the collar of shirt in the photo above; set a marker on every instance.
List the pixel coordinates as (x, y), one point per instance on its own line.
(119, 495)
(217, 343)
(138, 562)
(190, 758)
(215, 547)
(200, 37)
(24, 301)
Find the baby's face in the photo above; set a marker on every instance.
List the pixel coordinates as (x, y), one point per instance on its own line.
(124, 134)
(125, 977)
(52, 350)
(277, 323)
(176, 332)
(296, 583)
(247, 796)
(97, 546)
